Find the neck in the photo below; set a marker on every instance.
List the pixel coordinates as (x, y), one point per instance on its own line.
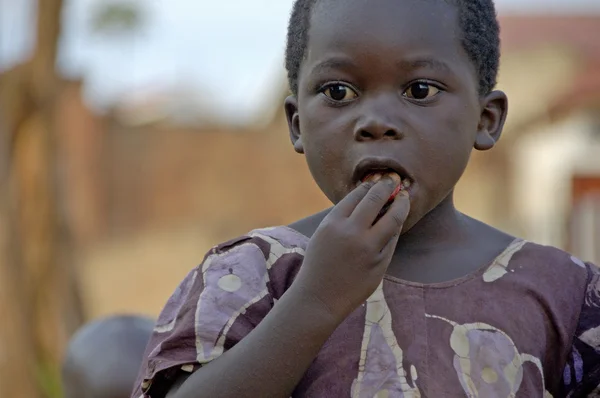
(442, 226)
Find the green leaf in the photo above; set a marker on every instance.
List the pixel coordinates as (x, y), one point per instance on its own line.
(117, 18)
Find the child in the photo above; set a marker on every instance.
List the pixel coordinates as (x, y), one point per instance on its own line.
(420, 302)
(103, 357)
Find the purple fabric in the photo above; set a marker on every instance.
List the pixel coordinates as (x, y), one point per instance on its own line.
(527, 325)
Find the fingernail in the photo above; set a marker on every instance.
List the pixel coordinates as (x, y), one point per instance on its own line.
(372, 178)
(390, 180)
(396, 178)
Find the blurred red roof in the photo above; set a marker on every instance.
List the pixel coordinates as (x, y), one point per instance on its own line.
(582, 33)
(578, 33)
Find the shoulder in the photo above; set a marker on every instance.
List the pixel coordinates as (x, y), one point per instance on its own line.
(550, 269)
(281, 238)
(551, 255)
(250, 260)
(557, 279)
(563, 276)
(548, 261)
(575, 285)
(569, 290)
(219, 302)
(266, 239)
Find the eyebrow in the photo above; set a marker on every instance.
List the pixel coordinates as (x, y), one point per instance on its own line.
(333, 63)
(426, 63)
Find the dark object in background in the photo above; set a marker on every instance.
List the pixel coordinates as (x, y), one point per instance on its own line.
(103, 357)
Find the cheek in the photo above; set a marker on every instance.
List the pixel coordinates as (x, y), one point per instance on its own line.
(460, 130)
(453, 152)
(324, 166)
(444, 165)
(325, 131)
(324, 149)
(447, 146)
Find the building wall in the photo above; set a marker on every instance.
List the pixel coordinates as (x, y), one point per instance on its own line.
(172, 194)
(547, 159)
(492, 189)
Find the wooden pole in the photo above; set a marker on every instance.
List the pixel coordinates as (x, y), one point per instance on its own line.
(41, 292)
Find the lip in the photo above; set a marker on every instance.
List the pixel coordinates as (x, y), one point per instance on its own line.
(368, 165)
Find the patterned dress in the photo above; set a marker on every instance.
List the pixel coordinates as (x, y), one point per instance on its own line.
(526, 325)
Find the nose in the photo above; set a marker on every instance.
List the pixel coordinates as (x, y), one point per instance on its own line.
(379, 120)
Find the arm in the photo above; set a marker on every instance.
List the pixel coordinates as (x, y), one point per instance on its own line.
(177, 384)
(344, 263)
(271, 360)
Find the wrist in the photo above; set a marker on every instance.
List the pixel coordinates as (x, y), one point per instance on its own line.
(307, 305)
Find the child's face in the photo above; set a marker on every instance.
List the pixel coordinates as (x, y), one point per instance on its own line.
(389, 80)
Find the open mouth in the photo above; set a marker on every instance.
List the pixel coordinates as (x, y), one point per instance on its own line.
(403, 182)
(375, 168)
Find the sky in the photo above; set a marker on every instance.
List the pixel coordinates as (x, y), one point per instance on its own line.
(227, 54)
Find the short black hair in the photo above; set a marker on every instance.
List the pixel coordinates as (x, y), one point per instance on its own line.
(477, 20)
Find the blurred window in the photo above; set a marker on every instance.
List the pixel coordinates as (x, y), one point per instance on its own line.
(584, 237)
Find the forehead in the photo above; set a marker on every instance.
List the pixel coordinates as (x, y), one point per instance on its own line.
(386, 29)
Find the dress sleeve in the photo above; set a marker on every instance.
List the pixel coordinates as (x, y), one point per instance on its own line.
(581, 376)
(214, 307)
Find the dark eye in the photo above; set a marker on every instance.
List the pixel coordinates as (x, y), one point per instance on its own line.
(339, 92)
(421, 91)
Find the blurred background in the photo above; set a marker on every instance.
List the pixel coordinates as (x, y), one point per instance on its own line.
(134, 135)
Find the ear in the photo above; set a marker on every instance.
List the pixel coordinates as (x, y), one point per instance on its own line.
(493, 115)
(293, 119)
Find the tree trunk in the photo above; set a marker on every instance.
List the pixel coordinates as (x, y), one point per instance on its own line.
(17, 356)
(41, 293)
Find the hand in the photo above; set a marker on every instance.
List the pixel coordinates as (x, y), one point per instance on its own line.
(349, 253)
